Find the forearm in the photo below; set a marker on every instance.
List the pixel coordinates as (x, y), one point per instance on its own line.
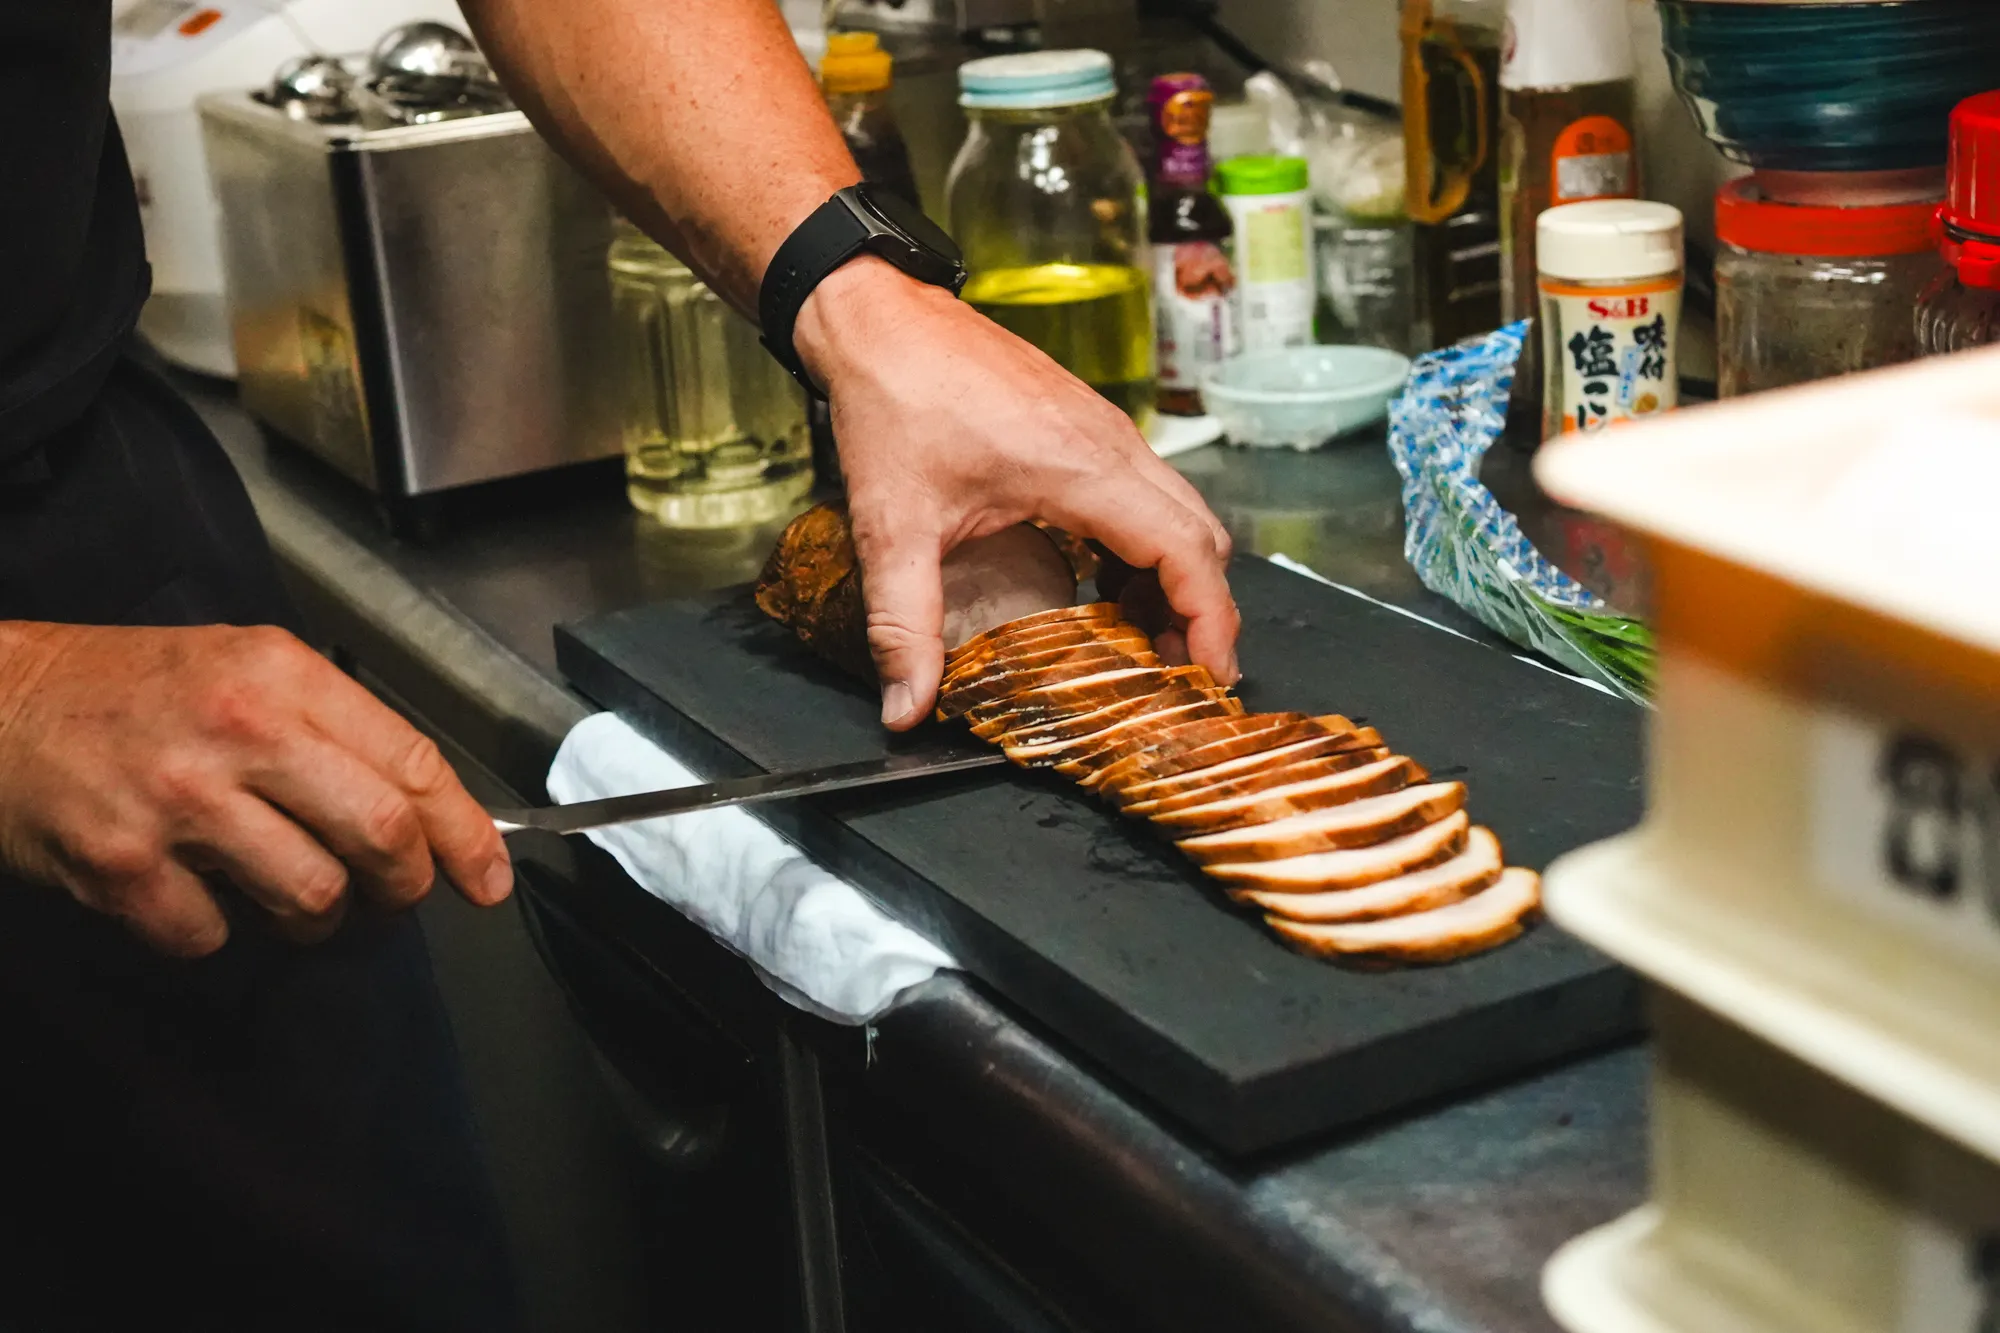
(700, 120)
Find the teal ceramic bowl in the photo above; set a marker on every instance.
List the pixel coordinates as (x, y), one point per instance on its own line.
(1860, 85)
(1301, 397)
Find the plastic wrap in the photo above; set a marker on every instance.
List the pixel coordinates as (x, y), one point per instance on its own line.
(1468, 548)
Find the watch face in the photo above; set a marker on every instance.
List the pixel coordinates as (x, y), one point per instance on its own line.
(910, 220)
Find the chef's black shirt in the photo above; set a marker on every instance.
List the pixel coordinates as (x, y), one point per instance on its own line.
(73, 271)
(270, 1137)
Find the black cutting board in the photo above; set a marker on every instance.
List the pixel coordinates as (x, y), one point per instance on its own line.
(1102, 933)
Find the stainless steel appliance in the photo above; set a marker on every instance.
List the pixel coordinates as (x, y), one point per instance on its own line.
(422, 305)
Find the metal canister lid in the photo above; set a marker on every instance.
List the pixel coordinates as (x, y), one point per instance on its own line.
(1606, 240)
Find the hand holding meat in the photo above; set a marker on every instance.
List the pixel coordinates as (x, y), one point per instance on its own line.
(135, 761)
(952, 429)
(1344, 847)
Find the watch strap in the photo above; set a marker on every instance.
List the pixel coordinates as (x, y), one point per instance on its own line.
(831, 235)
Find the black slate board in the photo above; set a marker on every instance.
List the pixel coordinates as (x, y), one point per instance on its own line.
(1103, 934)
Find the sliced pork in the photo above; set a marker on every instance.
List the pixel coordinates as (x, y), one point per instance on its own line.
(1258, 779)
(1194, 726)
(1253, 740)
(1142, 798)
(1321, 872)
(1344, 849)
(1016, 630)
(1138, 730)
(1292, 798)
(1475, 867)
(1097, 719)
(1052, 703)
(1038, 654)
(1356, 824)
(958, 700)
(1471, 925)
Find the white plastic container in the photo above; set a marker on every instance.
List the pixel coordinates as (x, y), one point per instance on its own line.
(1816, 886)
(1270, 208)
(1610, 278)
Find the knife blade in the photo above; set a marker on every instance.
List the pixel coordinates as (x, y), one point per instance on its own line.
(584, 815)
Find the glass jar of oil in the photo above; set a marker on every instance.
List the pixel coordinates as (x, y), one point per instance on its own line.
(715, 430)
(1049, 205)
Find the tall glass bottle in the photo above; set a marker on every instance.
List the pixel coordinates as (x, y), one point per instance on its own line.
(1048, 204)
(1451, 120)
(856, 73)
(1192, 278)
(1567, 116)
(715, 430)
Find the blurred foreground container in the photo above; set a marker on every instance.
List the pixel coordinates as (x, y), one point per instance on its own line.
(1815, 890)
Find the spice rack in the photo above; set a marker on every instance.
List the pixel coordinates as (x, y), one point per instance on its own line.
(1815, 890)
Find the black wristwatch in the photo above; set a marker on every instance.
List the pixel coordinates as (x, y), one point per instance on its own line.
(857, 220)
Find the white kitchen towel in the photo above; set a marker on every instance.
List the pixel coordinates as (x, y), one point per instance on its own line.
(812, 936)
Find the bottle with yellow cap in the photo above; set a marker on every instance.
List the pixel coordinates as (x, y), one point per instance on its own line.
(856, 73)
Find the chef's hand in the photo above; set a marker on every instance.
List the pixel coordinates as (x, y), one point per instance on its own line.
(134, 761)
(952, 428)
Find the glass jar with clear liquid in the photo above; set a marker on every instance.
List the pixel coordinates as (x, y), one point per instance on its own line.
(715, 429)
(1048, 204)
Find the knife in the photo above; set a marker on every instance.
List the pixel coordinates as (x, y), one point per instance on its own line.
(582, 815)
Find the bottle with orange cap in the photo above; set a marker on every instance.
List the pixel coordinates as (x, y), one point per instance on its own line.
(1961, 309)
(856, 74)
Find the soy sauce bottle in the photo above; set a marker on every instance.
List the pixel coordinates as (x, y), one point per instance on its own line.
(1193, 281)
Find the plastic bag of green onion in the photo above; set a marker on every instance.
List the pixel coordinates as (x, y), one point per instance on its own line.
(1464, 545)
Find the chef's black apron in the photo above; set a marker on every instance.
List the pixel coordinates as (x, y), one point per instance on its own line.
(275, 1137)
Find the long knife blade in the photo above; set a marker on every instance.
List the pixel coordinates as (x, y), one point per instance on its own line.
(584, 815)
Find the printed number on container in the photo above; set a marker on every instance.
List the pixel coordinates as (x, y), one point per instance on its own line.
(1910, 824)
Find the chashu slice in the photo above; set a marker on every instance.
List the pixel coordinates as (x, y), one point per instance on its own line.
(1292, 798)
(1041, 653)
(1142, 798)
(1083, 724)
(1252, 725)
(1097, 634)
(1089, 611)
(1475, 867)
(1052, 703)
(1472, 925)
(1148, 732)
(1355, 824)
(1325, 872)
(1245, 731)
(1147, 767)
(963, 699)
(1136, 730)
(1259, 773)
(1097, 719)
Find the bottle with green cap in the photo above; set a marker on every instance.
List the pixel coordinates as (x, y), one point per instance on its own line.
(1269, 203)
(1048, 204)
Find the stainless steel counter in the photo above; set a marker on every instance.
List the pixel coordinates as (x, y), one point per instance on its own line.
(1100, 1213)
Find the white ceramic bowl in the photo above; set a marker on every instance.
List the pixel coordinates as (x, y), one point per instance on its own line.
(1302, 396)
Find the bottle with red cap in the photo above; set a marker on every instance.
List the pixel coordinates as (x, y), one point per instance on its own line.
(1810, 291)
(1961, 309)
